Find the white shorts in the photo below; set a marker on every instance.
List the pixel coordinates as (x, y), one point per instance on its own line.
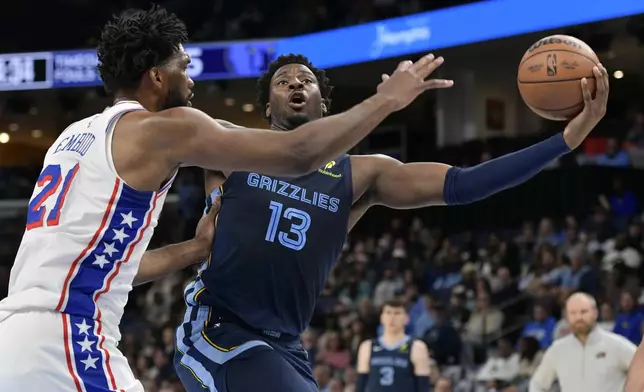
(50, 351)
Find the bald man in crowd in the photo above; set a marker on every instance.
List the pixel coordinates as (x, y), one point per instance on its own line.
(590, 359)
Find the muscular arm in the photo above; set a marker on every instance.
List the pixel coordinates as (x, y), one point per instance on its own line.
(414, 185)
(189, 136)
(160, 262)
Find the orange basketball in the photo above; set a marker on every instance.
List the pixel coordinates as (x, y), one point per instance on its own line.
(550, 74)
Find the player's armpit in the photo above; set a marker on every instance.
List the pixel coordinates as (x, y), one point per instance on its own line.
(403, 186)
(420, 358)
(189, 136)
(213, 180)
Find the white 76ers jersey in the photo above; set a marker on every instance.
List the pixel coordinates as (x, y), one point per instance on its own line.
(86, 229)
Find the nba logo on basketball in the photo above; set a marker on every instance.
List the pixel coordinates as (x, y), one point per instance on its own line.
(551, 64)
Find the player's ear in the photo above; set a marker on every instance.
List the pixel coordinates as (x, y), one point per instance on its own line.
(324, 109)
(267, 111)
(156, 77)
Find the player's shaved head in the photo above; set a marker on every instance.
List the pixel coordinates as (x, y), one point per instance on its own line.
(581, 313)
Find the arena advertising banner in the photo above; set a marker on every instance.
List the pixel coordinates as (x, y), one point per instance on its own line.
(443, 28)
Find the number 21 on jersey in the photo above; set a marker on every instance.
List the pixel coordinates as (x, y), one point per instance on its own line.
(52, 183)
(300, 222)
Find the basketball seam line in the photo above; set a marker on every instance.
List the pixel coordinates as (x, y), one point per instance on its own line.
(558, 50)
(553, 81)
(555, 110)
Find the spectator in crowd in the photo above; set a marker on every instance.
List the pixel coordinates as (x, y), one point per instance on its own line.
(622, 256)
(541, 327)
(443, 384)
(322, 374)
(530, 355)
(309, 342)
(580, 276)
(334, 354)
(443, 340)
(387, 288)
(621, 203)
(635, 136)
(425, 321)
(546, 234)
(458, 309)
(628, 322)
(615, 156)
(502, 367)
(485, 322)
(607, 321)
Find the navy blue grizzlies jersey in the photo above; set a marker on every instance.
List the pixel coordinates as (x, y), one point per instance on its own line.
(390, 368)
(277, 241)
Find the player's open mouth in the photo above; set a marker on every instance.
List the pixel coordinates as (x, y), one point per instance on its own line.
(297, 100)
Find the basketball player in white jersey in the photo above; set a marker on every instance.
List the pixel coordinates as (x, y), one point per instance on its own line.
(102, 188)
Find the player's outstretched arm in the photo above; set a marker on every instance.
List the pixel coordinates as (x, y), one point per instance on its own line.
(188, 136)
(158, 263)
(420, 358)
(362, 367)
(415, 185)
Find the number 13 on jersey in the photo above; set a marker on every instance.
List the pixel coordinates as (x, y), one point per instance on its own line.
(300, 222)
(53, 182)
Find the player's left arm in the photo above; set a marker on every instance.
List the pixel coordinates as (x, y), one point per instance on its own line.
(422, 369)
(414, 185)
(158, 263)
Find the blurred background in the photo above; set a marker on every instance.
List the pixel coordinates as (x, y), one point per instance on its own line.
(495, 272)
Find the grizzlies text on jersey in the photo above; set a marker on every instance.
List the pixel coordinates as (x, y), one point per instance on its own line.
(390, 368)
(277, 241)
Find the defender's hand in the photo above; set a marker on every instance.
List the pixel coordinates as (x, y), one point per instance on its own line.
(594, 109)
(205, 232)
(408, 81)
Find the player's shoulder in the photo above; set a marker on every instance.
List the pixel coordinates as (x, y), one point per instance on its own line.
(418, 347)
(366, 168)
(365, 345)
(374, 159)
(165, 126)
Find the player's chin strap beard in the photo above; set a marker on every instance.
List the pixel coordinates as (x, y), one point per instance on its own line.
(289, 123)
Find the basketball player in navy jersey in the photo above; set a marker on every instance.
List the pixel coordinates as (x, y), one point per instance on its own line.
(278, 238)
(393, 362)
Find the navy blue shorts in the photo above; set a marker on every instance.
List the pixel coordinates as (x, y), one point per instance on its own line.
(229, 358)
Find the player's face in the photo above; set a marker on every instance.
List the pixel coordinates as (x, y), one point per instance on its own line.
(177, 89)
(581, 316)
(393, 319)
(294, 97)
